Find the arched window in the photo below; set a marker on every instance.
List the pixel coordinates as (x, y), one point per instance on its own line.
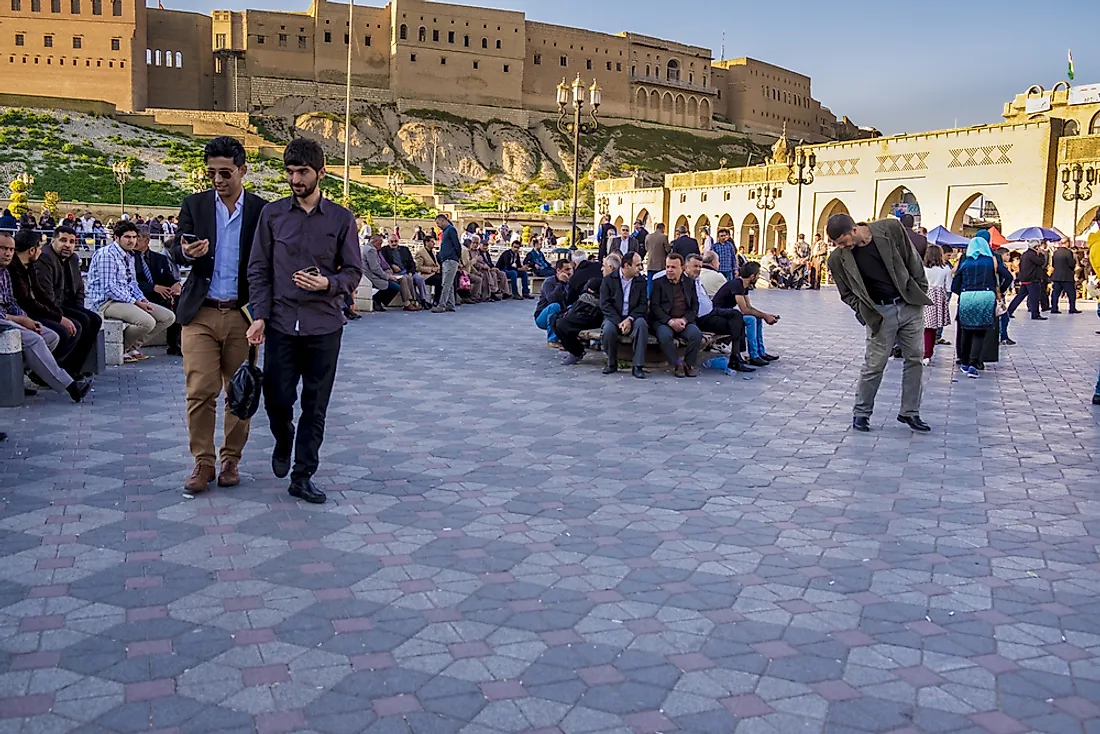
(466, 41)
(647, 69)
(157, 57)
(673, 70)
(1094, 126)
(485, 43)
(148, 56)
(404, 34)
(168, 59)
(179, 59)
(1071, 127)
(422, 34)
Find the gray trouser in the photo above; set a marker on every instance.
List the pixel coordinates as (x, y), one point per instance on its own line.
(902, 324)
(450, 270)
(694, 338)
(639, 335)
(36, 355)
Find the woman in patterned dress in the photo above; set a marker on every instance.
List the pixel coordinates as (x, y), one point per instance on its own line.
(937, 315)
(979, 281)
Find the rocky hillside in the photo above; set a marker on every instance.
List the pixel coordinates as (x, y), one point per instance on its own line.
(481, 162)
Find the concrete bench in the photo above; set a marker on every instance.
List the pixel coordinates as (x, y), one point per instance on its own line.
(112, 341)
(654, 355)
(11, 368)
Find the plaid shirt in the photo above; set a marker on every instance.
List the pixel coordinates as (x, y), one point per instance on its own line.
(725, 252)
(111, 278)
(8, 306)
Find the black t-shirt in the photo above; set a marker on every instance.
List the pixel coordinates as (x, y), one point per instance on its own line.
(876, 278)
(726, 297)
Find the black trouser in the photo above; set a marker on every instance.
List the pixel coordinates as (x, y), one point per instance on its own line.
(1030, 291)
(88, 324)
(1044, 295)
(288, 359)
(436, 283)
(970, 350)
(65, 344)
(1057, 288)
(172, 335)
(726, 321)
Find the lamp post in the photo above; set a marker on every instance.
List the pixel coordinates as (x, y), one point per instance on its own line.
(1075, 175)
(765, 196)
(804, 176)
(122, 175)
(396, 184)
(577, 127)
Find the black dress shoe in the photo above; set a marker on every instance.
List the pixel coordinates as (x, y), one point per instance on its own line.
(1053, 311)
(897, 352)
(915, 423)
(610, 369)
(979, 366)
(1039, 318)
(757, 362)
(638, 372)
(78, 389)
(379, 307)
(174, 352)
(1073, 310)
(1095, 401)
(304, 489)
(280, 464)
(863, 425)
(741, 367)
(769, 357)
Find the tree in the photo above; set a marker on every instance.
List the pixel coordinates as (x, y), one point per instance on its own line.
(18, 204)
(52, 201)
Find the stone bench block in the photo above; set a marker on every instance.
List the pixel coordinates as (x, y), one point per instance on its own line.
(112, 341)
(11, 368)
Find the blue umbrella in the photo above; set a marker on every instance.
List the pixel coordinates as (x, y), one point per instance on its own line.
(943, 236)
(1034, 233)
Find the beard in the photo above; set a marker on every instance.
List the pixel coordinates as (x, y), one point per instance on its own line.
(306, 191)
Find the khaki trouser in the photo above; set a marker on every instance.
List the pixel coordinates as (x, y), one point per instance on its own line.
(141, 326)
(902, 324)
(214, 345)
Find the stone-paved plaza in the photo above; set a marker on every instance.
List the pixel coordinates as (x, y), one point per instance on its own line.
(515, 546)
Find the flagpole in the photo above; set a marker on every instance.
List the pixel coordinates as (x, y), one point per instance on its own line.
(347, 110)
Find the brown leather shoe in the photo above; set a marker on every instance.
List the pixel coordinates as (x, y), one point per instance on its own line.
(229, 476)
(690, 371)
(678, 370)
(200, 478)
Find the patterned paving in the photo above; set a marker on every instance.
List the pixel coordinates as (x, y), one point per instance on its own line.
(514, 546)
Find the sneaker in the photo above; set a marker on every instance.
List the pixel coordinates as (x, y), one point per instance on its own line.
(926, 361)
(570, 359)
(943, 342)
(972, 373)
(964, 369)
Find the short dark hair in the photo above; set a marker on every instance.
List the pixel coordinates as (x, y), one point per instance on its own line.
(675, 256)
(724, 229)
(27, 239)
(64, 229)
(839, 225)
(694, 256)
(629, 257)
(224, 147)
(750, 269)
(907, 220)
(304, 152)
(561, 264)
(122, 227)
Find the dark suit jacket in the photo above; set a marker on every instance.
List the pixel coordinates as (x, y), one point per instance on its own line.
(1064, 264)
(660, 301)
(51, 278)
(28, 293)
(611, 298)
(161, 270)
(919, 241)
(198, 217)
(901, 260)
(509, 260)
(615, 245)
(686, 245)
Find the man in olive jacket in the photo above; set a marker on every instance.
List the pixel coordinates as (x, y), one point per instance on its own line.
(880, 276)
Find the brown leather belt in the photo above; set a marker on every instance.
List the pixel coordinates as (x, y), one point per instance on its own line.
(220, 305)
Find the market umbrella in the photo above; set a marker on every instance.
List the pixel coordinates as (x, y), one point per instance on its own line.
(996, 238)
(944, 236)
(1035, 233)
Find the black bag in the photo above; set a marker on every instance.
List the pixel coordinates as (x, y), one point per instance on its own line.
(245, 388)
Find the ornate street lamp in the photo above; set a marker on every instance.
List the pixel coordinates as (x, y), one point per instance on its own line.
(395, 182)
(1076, 175)
(121, 170)
(577, 127)
(765, 196)
(804, 176)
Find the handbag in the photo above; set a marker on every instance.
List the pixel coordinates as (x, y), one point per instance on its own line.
(244, 390)
(463, 281)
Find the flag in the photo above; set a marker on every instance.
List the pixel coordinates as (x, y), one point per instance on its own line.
(1069, 72)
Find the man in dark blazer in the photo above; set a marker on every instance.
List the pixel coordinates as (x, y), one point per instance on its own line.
(158, 282)
(624, 304)
(685, 244)
(58, 269)
(214, 237)
(674, 306)
(1064, 264)
(621, 244)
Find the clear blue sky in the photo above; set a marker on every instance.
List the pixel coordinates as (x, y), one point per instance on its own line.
(900, 67)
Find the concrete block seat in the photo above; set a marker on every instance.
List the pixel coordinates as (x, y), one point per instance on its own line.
(112, 341)
(654, 356)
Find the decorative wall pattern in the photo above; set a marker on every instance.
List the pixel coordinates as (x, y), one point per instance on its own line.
(902, 162)
(986, 155)
(841, 167)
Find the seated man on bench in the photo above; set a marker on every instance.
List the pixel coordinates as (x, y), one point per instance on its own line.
(735, 294)
(552, 298)
(536, 262)
(718, 320)
(625, 305)
(674, 307)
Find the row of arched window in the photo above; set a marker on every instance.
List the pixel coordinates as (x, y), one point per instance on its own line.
(156, 57)
(422, 37)
(781, 96)
(672, 72)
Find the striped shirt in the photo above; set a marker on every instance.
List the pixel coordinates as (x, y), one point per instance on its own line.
(111, 278)
(8, 306)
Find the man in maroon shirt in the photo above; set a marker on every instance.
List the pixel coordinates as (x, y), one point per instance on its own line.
(297, 292)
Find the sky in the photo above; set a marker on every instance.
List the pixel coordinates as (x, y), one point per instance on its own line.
(898, 67)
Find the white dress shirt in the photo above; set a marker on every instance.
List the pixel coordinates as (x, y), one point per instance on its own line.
(705, 304)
